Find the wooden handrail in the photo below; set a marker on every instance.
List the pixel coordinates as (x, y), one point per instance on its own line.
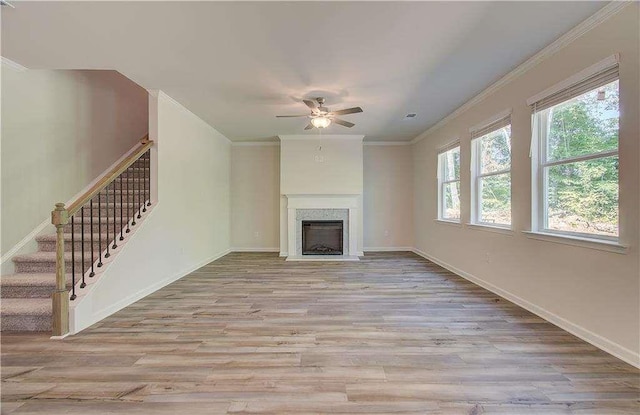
(60, 217)
(75, 206)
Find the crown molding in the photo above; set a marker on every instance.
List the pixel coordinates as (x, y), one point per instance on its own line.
(309, 137)
(255, 144)
(277, 144)
(593, 21)
(13, 65)
(386, 143)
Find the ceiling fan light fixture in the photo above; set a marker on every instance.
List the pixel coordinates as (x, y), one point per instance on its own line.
(320, 122)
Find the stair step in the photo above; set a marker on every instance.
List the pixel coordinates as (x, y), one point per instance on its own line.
(26, 314)
(45, 262)
(97, 224)
(47, 243)
(134, 172)
(127, 197)
(140, 183)
(27, 285)
(108, 209)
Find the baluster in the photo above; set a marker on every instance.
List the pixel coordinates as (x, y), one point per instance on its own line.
(99, 231)
(148, 173)
(144, 182)
(141, 159)
(82, 268)
(92, 273)
(73, 260)
(133, 195)
(128, 199)
(121, 220)
(107, 254)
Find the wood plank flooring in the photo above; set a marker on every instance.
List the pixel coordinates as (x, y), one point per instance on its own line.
(253, 334)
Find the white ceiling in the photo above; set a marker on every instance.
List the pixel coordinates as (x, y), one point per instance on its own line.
(239, 64)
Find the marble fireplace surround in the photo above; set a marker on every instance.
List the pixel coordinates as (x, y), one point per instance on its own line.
(322, 207)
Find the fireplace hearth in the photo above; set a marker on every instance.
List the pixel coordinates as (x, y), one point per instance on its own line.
(322, 237)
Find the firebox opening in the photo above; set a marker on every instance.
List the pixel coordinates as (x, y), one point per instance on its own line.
(322, 237)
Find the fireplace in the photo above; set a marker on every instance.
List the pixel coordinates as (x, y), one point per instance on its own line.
(322, 237)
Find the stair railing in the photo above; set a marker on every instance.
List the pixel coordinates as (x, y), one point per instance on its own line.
(130, 181)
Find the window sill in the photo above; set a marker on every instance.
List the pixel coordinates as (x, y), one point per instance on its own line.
(491, 228)
(448, 222)
(601, 245)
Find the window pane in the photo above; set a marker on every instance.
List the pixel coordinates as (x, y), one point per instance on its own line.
(451, 202)
(586, 124)
(583, 197)
(495, 199)
(495, 150)
(451, 164)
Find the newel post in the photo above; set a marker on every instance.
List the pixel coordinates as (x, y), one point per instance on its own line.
(60, 297)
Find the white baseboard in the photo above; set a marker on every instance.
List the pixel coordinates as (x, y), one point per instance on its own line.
(106, 312)
(388, 249)
(27, 245)
(598, 341)
(255, 249)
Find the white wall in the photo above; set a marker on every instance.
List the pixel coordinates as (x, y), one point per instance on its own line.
(189, 224)
(255, 197)
(593, 293)
(388, 197)
(60, 130)
(322, 165)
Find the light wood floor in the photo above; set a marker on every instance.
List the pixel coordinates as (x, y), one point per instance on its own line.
(252, 334)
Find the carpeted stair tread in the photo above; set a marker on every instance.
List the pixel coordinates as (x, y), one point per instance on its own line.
(31, 279)
(46, 256)
(26, 314)
(29, 285)
(26, 306)
(77, 236)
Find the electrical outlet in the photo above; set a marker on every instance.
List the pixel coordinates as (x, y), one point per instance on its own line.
(256, 234)
(487, 257)
(386, 233)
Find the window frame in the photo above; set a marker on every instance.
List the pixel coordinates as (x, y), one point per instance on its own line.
(442, 183)
(540, 165)
(477, 176)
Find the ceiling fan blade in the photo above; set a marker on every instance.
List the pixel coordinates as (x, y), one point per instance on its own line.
(347, 111)
(343, 122)
(311, 104)
(309, 126)
(291, 116)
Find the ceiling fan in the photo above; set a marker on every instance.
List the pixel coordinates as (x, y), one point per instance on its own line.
(321, 117)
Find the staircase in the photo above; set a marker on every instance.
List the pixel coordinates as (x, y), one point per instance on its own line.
(26, 303)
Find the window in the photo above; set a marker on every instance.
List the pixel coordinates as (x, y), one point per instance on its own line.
(491, 174)
(576, 162)
(449, 185)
